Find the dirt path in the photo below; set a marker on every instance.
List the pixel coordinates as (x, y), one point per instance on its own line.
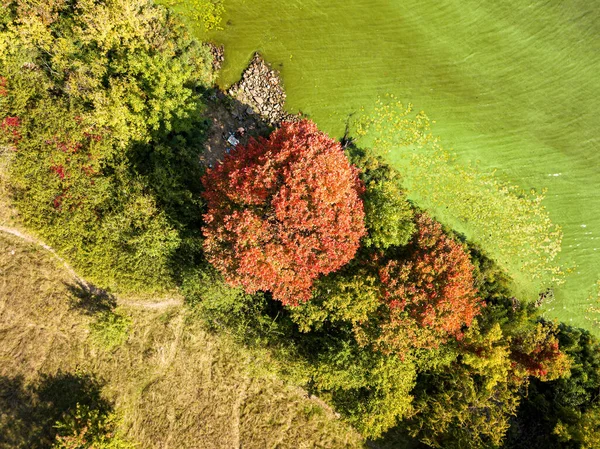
(30, 239)
(237, 413)
(143, 304)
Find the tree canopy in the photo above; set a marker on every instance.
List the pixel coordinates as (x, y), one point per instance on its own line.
(100, 107)
(430, 294)
(282, 211)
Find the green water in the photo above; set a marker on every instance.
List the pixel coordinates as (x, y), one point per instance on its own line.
(511, 84)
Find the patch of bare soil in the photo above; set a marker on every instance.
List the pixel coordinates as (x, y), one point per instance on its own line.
(252, 107)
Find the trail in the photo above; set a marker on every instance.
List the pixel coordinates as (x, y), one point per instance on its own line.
(31, 239)
(149, 304)
(237, 414)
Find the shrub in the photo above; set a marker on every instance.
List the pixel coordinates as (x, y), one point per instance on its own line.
(110, 329)
(101, 106)
(228, 309)
(89, 428)
(388, 213)
(283, 211)
(351, 296)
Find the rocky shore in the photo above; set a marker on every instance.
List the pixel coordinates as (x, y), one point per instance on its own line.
(250, 108)
(261, 89)
(218, 55)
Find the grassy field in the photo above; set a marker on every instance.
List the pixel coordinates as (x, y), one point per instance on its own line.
(173, 384)
(512, 86)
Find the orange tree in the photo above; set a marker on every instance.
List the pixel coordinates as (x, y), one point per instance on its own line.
(430, 295)
(282, 211)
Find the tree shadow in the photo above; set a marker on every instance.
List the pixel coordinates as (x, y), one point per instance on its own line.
(29, 412)
(228, 116)
(90, 299)
(172, 165)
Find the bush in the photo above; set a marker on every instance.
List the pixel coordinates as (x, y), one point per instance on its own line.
(110, 329)
(388, 213)
(228, 309)
(101, 107)
(89, 428)
(350, 296)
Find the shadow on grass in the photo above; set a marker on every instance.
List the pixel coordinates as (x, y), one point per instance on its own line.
(89, 299)
(29, 412)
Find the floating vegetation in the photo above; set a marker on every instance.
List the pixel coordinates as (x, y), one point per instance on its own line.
(509, 222)
(209, 12)
(593, 310)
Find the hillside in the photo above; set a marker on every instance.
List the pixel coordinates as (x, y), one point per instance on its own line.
(190, 267)
(174, 384)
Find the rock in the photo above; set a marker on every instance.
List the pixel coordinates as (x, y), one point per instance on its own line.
(261, 89)
(218, 55)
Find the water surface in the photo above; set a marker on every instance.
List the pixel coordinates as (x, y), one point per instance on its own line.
(511, 84)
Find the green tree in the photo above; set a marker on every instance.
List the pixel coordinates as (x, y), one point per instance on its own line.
(468, 404)
(388, 213)
(105, 166)
(351, 296)
(370, 390)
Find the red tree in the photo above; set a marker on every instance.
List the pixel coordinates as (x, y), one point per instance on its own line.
(283, 211)
(430, 295)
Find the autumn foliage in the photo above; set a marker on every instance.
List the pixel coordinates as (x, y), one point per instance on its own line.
(9, 129)
(537, 353)
(431, 293)
(100, 114)
(283, 211)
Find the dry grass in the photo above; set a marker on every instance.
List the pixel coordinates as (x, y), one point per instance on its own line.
(175, 385)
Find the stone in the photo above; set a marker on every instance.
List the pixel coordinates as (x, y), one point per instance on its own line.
(261, 90)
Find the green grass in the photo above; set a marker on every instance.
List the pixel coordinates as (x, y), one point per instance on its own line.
(510, 84)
